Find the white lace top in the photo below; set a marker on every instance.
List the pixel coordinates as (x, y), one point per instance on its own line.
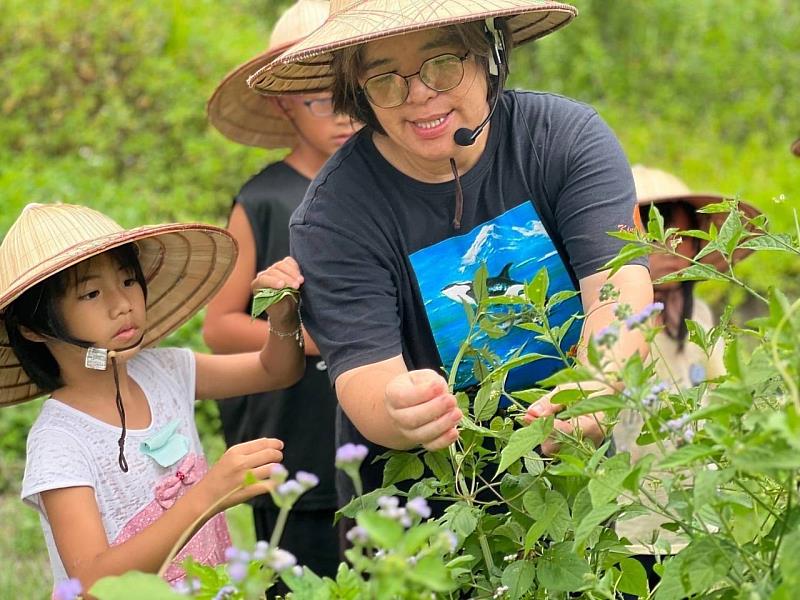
(68, 448)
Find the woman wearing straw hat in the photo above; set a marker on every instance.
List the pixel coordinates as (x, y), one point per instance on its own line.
(679, 362)
(259, 221)
(114, 464)
(449, 174)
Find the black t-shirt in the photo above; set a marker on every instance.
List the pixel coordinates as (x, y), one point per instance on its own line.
(386, 271)
(302, 415)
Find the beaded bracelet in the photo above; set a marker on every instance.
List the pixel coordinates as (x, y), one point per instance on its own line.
(297, 334)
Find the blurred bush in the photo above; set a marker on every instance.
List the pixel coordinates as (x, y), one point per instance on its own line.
(103, 103)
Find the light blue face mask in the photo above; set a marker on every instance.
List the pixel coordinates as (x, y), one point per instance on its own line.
(166, 446)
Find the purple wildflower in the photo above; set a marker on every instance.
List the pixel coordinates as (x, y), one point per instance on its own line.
(357, 535)
(697, 374)
(225, 592)
(388, 502)
(260, 552)
(306, 480)
(290, 490)
(280, 560)
(278, 473)
(237, 571)
(350, 455)
(675, 425)
(648, 311)
(607, 336)
(651, 399)
(297, 571)
(233, 554)
(451, 539)
(419, 506)
(68, 589)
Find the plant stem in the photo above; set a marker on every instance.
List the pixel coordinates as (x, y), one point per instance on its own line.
(280, 524)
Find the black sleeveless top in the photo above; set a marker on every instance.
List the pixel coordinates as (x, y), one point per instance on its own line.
(303, 415)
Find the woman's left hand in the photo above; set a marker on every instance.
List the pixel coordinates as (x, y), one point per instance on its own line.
(589, 425)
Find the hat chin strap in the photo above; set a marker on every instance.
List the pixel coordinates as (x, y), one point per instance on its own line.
(97, 359)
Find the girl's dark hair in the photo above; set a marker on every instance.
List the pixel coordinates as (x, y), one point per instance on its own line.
(38, 310)
(347, 65)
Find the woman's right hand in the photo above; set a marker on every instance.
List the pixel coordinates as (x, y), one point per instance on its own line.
(423, 409)
(256, 456)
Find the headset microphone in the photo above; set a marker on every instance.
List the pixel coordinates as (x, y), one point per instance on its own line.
(497, 67)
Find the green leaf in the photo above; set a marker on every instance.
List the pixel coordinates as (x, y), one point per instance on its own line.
(368, 501)
(462, 519)
(593, 405)
(402, 466)
(133, 586)
(731, 232)
(479, 284)
(431, 572)
(773, 241)
(551, 513)
(698, 272)
(439, 464)
(385, 532)
(606, 483)
(560, 297)
(523, 441)
(560, 570)
(634, 578)
(628, 253)
(486, 402)
(596, 516)
(518, 577)
(266, 297)
(686, 455)
(536, 290)
(568, 375)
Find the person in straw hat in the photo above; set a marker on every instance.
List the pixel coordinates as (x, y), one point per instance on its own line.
(679, 362)
(259, 221)
(450, 173)
(114, 464)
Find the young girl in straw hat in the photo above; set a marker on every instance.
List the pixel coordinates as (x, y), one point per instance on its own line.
(679, 362)
(450, 173)
(259, 222)
(114, 463)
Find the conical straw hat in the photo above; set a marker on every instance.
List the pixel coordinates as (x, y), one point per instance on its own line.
(184, 265)
(654, 186)
(243, 116)
(306, 66)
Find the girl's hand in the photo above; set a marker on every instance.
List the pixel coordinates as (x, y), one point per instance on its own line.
(282, 274)
(256, 456)
(423, 409)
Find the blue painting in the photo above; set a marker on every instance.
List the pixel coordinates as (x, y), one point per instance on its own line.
(514, 247)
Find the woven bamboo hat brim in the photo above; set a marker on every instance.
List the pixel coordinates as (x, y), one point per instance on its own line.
(243, 116)
(796, 147)
(306, 66)
(184, 265)
(654, 186)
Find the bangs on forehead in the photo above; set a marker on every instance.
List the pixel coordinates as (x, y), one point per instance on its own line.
(125, 257)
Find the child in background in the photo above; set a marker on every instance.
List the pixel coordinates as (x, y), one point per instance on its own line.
(114, 464)
(303, 415)
(679, 362)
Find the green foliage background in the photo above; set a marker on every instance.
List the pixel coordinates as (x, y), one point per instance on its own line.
(103, 103)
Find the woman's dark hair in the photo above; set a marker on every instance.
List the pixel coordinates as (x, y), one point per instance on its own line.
(38, 310)
(347, 65)
(686, 288)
